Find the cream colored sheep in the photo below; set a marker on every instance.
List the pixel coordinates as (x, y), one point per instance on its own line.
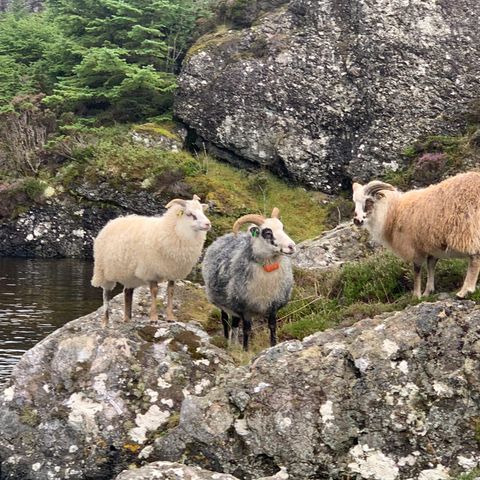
(137, 250)
(440, 221)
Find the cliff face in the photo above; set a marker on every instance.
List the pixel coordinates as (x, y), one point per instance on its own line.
(325, 90)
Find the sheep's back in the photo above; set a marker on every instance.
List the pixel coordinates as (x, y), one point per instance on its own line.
(443, 217)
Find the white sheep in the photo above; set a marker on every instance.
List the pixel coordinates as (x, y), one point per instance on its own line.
(137, 250)
(440, 221)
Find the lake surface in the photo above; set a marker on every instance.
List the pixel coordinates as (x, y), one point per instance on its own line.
(37, 297)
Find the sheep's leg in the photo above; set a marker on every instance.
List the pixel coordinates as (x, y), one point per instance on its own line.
(153, 306)
(107, 296)
(430, 287)
(233, 334)
(272, 325)
(225, 323)
(170, 288)
(471, 278)
(247, 328)
(128, 296)
(417, 280)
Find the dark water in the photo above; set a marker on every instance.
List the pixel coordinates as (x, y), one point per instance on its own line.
(37, 297)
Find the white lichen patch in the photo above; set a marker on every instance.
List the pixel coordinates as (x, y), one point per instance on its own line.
(149, 421)
(282, 423)
(152, 394)
(73, 449)
(241, 426)
(261, 386)
(389, 347)
(9, 393)
(372, 464)
(409, 460)
(362, 364)
(167, 401)
(146, 452)
(162, 383)
(437, 473)
(403, 367)
(442, 390)
(83, 410)
(202, 361)
(199, 387)
(36, 466)
(79, 233)
(468, 463)
(99, 383)
(326, 411)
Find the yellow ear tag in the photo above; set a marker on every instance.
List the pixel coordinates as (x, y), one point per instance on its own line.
(179, 213)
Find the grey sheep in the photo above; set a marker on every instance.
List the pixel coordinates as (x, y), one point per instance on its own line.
(249, 274)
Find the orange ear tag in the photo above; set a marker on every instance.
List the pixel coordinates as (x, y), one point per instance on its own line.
(271, 267)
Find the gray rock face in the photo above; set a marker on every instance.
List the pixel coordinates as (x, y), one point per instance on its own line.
(176, 471)
(392, 398)
(326, 90)
(344, 243)
(86, 401)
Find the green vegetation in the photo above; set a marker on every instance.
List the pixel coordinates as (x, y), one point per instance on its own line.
(473, 475)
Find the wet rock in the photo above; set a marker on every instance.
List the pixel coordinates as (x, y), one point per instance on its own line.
(323, 91)
(87, 401)
(344, 243)
(391, 398)
(66, 225)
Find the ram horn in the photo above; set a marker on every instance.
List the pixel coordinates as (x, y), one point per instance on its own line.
(196, 197)
(176, 201)
(275, 213)
(251, 218)
(375, 187)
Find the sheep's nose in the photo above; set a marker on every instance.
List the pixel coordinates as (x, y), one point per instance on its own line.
(208, 225)
(357, 222)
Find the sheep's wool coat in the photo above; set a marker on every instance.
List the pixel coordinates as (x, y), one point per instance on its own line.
(135, 250)
(442, 220)
(237, 283)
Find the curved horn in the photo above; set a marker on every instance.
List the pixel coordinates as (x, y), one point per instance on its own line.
(196, 197)
(251, 218)
(176, 201)
(275, 213)
(375, 187)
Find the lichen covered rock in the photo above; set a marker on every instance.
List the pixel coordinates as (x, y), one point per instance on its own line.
(88, 401)
(391, 398)
(344, 243)
(323, 91)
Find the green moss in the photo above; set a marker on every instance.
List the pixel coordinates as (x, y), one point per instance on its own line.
(473, 475)
(29, 416)
(234, 193)
(219, 37)
(165, 129)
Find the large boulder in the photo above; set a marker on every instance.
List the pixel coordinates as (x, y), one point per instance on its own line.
(391, 398)
(344, 243)
(176, 471)
(86, 402)
(326, 90)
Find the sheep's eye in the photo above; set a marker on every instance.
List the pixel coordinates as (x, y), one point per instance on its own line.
(267, 234)
(369, 203)
(192, 215)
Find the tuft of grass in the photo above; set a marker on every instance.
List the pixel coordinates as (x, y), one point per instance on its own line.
(165, 129)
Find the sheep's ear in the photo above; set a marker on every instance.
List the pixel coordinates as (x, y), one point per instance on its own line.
(205, 206)
(356, 186)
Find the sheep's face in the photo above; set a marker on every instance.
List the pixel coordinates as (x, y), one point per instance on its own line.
(269, 239)
(369, 207)
(363, 205)
(195, 218)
